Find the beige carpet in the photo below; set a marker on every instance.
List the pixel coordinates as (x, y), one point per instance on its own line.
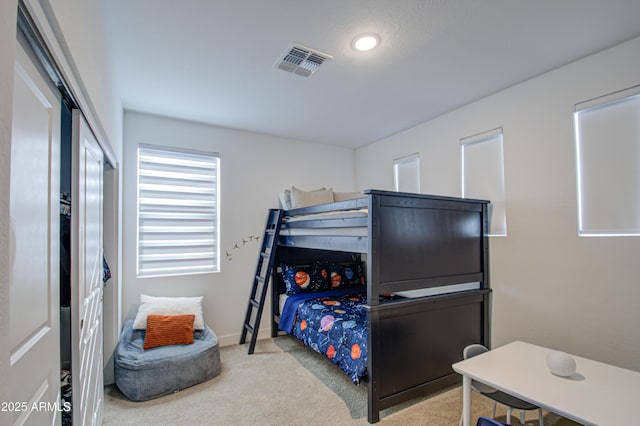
(272, 387)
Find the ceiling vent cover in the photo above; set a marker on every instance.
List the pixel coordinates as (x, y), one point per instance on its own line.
(301, 60)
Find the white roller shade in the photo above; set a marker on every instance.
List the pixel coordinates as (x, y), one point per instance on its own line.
(177, 211)
(406, 173)
(483, 175)
(607, 132)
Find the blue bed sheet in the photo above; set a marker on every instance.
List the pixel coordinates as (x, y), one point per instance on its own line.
(288, 314)
(336, 327)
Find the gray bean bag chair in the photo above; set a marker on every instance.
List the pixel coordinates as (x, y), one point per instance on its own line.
(146, 374)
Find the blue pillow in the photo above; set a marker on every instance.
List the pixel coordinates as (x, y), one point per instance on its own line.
(345, 275)
(353, 275)
(302, 279)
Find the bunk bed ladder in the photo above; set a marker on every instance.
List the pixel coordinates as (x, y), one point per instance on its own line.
(266, 261)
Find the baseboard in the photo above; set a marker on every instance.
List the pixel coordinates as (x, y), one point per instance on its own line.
(234, 338)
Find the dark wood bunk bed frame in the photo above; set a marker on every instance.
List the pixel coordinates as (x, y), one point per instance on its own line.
(414, 241)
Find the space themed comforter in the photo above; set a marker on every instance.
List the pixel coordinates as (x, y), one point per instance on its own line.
(335, 326)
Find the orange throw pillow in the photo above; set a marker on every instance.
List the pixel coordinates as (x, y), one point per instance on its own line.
(163, 330)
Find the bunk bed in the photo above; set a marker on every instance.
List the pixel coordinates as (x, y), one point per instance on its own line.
(431, 253)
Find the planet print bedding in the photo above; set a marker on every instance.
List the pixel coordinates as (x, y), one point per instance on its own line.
(336, 327)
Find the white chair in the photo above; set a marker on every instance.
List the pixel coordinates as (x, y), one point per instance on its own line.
(498, 396)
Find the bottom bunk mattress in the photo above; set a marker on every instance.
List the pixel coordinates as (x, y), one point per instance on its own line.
(332, 323)
(336, 327)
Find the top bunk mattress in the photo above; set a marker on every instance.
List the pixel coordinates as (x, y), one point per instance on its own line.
(401, 217)
(330, 215)
(340, 223)
(352, 223)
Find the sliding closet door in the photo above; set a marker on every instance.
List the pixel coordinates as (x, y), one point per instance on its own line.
(86, 281)
(34, 373)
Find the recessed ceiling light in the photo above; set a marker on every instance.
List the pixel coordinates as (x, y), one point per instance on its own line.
(365, 42)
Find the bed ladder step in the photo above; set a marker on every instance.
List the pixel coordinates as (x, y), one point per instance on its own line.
(258, 295)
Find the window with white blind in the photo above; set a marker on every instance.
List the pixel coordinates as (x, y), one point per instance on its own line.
(406, 173)
(483, 175)
(178, 211)
(607, 137)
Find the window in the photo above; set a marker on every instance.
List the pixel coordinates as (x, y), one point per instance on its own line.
(483, 175)
(607, 135)
(406, 173)
(178, 211)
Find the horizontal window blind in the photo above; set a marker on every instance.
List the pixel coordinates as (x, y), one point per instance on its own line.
(177, 211)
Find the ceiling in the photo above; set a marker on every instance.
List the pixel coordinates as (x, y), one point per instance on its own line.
(212, 61)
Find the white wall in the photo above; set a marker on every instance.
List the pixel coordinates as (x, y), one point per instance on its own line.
(254, 168)
(80, 25)
(550, 287)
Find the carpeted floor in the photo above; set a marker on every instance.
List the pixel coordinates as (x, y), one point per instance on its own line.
(285, 383)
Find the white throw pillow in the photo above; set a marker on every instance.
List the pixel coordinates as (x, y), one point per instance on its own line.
(168, 306)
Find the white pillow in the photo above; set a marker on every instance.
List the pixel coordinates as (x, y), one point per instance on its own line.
(343, 196)
(168, 306)
(285, 199)
(300, 198)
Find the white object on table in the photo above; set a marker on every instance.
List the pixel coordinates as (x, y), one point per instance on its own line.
(596, 394)
(561, 364)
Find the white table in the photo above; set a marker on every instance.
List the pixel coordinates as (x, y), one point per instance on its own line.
(597, 394)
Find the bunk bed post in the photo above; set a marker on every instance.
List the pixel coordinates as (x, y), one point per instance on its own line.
(373, 299)
(485, 245)
(373, 250)
(373, 390)
(486, 284)
(275, 308)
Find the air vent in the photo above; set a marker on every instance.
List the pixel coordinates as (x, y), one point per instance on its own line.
(301, 60)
